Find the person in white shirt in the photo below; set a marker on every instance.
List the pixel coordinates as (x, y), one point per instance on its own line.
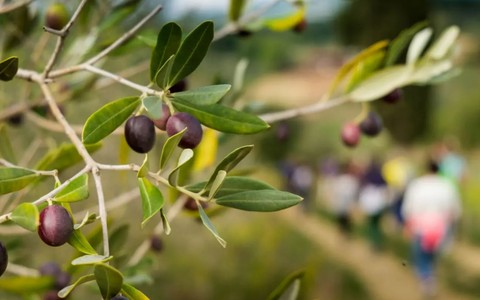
(431, 208)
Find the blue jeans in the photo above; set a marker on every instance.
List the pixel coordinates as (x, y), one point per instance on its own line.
(424, 260)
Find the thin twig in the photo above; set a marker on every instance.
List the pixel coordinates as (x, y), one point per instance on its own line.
(62, 35)
(305, 110)
(22, 270)
(102, 210)
(124, 37)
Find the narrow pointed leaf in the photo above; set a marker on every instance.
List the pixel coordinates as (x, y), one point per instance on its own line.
(169, 147)
(286, 22)
(89, 218)
(400, 43)
(63, 293)
(185, 156)
(363, 69)
(289, 287)
(80, 243)
(166, 225)
(161, 78)
(8, 68)
(90, 259)
(233, 185)
(418, 44)
(152, 199)
(21, 284)
(76, 190)
(15, 179)
(108, 118)
(205, 95)
(191, 53)
(109, 280)
(206, 221)
(6, 150)
(64, 156)
(229, 162)
(223, 118)
(168, 41)
(132, 293)
(153, 106)
(381, 83)
(26, 215)
(217, 183)
(236, 9)
(428, 69)
(144, 168)
(260, 200)
(444, 43)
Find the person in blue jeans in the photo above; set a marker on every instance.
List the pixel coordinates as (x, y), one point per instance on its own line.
(431, 207)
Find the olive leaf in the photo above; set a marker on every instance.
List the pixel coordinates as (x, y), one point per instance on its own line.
(26, 215)
(63, 293)
(76, 190)
(168, 41)
(132, 293)
(205, 95)
(169, 147)
(233, 185)
(80, 243)
(15, 179)
(90, 259)
(109, 280)
(105, 120)
(8, 68)
(152, 199)
(207, 223)
(260, 200)
(64, 156)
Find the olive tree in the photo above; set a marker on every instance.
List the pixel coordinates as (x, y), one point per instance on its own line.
(165, 106)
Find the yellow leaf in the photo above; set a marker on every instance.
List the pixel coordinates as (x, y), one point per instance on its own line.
(286, 22)
(206, 151)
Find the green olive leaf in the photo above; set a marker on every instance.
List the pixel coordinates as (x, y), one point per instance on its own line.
(236, 9)
(15, 179)
(76, 190)
(109, 280)
(8, 68)
(63, 293)
(108, 118)
(260, 200)
(222, 118)
(144, 168)
(191, 53)
(207, 223)
(205, 95)
(132, 293)
(90, 259)
(233, 185)
(166, 225)
(64, 156)
(418, 44)
(217, 183)
(169, 147)
(161, 78)
(87, 219)
(229, 162)
(152, 199)
(398, 45)
(6, 150)
(443, 44)
(153, 106)
(80, 243)
(289, 287)
(26, 215)
(168, 42)
(185, 156)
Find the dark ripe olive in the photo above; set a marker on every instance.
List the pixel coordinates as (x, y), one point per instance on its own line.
(3, 259)
(62, 278)
(140, 133)
(180, 86)
(191, 204)
(300, 26)
(350, 134)
(56, 225)
(119, 297)
(16, 119)
(57, 16)
(372, 124)
(192, 136)
(156, 244)
(244, 33)
(162, 122)
(394, 96)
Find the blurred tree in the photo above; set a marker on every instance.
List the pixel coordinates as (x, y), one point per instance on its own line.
(364, 22)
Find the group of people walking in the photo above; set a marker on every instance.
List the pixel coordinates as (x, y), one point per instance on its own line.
(424, 202)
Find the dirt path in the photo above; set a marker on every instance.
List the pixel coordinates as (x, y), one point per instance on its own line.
(385, 276)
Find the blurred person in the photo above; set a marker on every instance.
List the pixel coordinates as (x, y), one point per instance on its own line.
(344, 188)
(431, 207)
(398, 172)
(373, 200)
(452, 165)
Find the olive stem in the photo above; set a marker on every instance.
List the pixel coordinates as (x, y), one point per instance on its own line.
(22, 270)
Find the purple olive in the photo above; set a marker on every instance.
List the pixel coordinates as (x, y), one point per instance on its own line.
(56, 225)
(140, 133)
(350, 134)
(119, 297)
(162, 122)
(394, 96)
(300, 26)
(372, 124)
(192, 136)
(3, 259)
(156, 244)
(51, 295)
(191, 204)
(16, 119)
(57, 16)
(62, 278)
(244, 33)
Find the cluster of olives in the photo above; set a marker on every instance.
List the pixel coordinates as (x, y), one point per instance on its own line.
(140, 130)
(371, 126)
(60, 277)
